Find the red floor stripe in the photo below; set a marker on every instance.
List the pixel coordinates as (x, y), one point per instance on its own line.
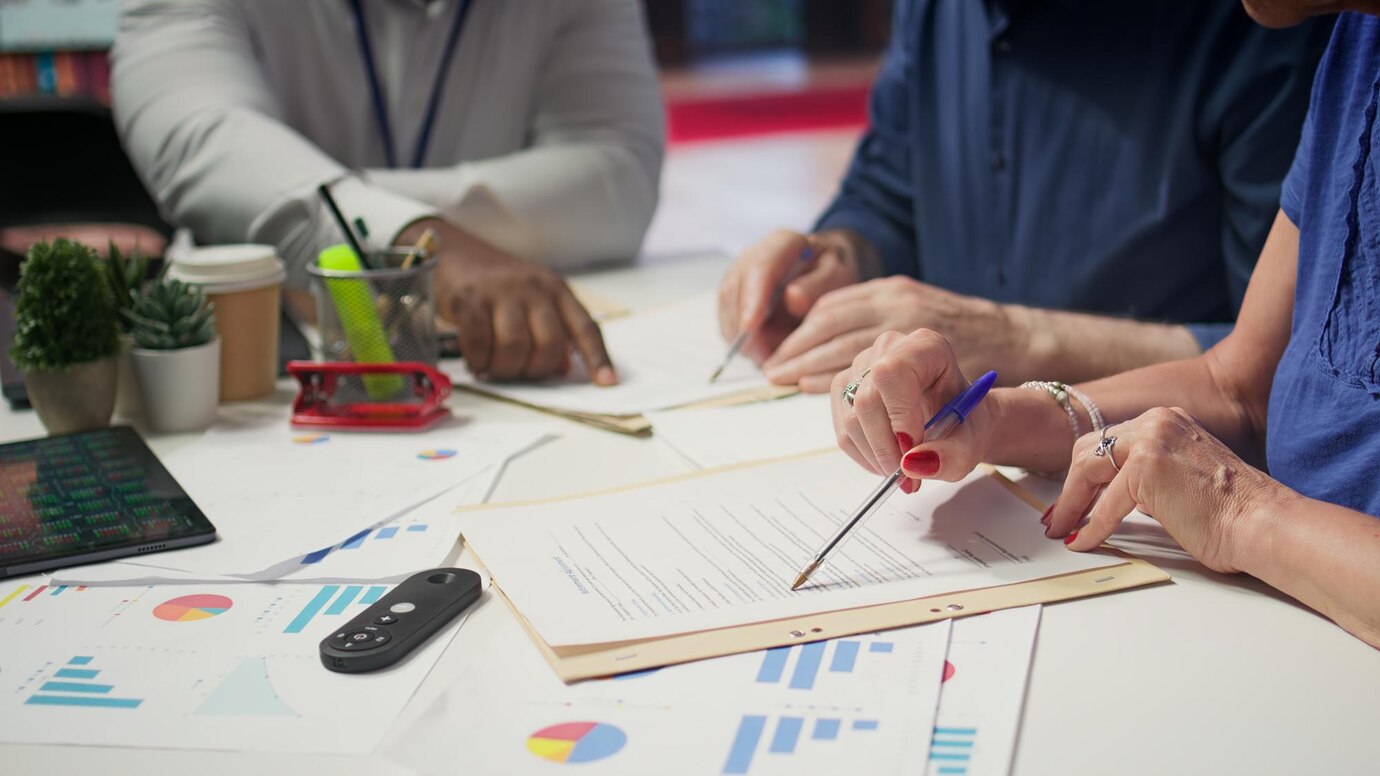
(718, 118)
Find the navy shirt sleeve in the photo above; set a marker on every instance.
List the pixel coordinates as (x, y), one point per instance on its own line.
(876, 197)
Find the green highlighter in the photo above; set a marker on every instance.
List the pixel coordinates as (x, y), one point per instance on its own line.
(354, 304)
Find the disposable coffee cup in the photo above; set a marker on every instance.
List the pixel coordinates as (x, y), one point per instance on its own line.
(245, 283)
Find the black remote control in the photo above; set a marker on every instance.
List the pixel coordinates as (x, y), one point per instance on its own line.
(401, 621)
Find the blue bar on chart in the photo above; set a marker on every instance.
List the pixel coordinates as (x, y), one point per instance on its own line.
(86, 694)
(745, 744)
(58, 590)
(374, 593)
(952, 770)
(386, 532)
(864, 724)
(787, 734)
(807, 666)
(825, 730)
(346, 597)
(315, 557)
(355, 541)
(77, 700)
(417, 528)
(313, 608)
(773, 665)
(880, 646)
(845, 656)
(100, 689)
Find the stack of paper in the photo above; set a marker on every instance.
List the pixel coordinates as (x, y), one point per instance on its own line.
(863, 704)
(233, 667)
(700, 566)
(664, 359)
(284, 501)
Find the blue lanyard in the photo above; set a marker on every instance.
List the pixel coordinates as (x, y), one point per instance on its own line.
(366, 50)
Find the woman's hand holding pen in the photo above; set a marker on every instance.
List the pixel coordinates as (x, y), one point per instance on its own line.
(908, 379)
(517, 320)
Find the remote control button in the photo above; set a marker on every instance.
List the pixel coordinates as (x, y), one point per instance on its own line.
(386, 619)
(360, 640)
(402, 608)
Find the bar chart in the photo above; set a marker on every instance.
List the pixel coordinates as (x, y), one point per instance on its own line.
(358, 540)
(332, 601)
(786, 737)
(810, 661)
(74, 684)
(26, 593)
(950, 750)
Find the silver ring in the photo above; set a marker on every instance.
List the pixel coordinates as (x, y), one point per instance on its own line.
(850, 391)
(1104, 448)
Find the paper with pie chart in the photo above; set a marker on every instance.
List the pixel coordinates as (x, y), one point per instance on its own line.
(232, 667)
(861, 704)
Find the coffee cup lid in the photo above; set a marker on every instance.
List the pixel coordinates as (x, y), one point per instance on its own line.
(222, 269)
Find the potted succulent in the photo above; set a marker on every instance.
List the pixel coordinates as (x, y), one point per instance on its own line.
(176, 356)
(66, 336)
(126, 277)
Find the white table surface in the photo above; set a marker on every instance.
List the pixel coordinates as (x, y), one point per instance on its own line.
(1208, 674)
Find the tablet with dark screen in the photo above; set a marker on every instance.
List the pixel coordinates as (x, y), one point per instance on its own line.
(91, 496)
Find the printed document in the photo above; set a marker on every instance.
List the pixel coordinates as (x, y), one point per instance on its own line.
(720, 550)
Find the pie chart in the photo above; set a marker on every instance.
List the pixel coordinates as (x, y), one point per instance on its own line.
(577, 742)
(438, 454)
(192, 607)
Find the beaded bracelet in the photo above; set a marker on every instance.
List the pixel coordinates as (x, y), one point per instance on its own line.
(1094, 414)
(1061, 394)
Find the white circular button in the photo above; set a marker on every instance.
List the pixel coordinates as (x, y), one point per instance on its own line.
(402, 608)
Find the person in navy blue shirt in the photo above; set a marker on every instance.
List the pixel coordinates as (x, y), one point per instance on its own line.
(1065, 190)
(1295, 387)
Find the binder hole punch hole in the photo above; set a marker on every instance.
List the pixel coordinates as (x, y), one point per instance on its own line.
(798, 634)
(816, 630)
(950, 607)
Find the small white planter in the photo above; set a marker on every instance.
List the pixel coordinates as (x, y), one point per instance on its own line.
(180, 388)
(128, 403)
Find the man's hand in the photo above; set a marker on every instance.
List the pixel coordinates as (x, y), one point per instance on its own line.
(837, 259)
(847, 321)
(517, 320)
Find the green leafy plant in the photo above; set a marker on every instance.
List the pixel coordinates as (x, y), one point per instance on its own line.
(171, 315)
(64, 311)
(126, 276)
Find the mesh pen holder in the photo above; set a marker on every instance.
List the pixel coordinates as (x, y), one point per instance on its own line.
(377, 316)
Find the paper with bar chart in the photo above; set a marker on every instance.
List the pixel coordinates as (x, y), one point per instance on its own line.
(295, 493)
(863, 704)
(983, 693)
(231, 667)
(719, 550)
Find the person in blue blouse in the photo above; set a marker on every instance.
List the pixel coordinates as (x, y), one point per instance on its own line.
(1068, 189)
(1295, 387)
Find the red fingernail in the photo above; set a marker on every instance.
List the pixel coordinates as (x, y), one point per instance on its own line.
(1069, 539)
(907, 485)
(1044, 519)
(921, 463)
(903, 439)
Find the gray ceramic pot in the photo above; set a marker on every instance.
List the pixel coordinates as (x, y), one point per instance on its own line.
(79, 398)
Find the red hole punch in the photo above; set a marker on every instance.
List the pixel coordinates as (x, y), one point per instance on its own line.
(336, 396)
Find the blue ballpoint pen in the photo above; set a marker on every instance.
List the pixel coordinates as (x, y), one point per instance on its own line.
(946, 420)
(803, 261)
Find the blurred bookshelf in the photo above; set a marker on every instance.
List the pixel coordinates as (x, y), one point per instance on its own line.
(56, 47)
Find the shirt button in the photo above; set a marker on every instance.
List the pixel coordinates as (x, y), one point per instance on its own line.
(998, 161)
